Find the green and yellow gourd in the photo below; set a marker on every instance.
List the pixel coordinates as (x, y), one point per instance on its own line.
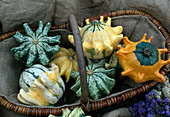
(66, 60)
(98, 80)
(40, 85)
(36, 47)
(77, 112)
(99, 39)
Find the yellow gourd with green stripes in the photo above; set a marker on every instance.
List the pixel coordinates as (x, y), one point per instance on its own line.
(99, 39)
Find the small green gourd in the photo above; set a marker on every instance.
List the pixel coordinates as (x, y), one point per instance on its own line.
(98, 82)
(36, 47)
(77, 112)
(112, 62)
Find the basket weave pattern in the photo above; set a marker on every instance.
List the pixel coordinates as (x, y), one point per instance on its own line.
(97, 104)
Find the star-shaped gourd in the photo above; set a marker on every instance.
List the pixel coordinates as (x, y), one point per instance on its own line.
(99, 39)
(36, 47)
(141, 60)
(98, 80)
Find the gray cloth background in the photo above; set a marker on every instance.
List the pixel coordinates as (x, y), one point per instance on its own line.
(13, 13)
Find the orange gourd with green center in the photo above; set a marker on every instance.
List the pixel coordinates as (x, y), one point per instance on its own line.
(141, 60)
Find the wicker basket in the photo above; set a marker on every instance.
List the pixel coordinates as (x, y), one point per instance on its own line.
(84, 102)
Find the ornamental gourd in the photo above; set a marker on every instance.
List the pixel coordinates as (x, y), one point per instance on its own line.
(77, 112)
(98, 82)
(36, 47)
(141, 60)
(66, 60)
(40, 85)
(99, 39)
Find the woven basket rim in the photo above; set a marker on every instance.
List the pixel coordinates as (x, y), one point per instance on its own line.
(93, 105)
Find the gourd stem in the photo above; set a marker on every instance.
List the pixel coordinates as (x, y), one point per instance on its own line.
(73, 55)
(80, 57)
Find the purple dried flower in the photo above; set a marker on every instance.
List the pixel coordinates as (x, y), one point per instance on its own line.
(152, 94)
(131, 109)
(136, 105)
(134, 113)
(141, 111)
(166, 100)
(167, 110)
(147, 98)
(141, 103)
(167, 107)
(149, 109)
(160, 111)
(150, 115)
(167, 113)
(159, 101)
(153, 103)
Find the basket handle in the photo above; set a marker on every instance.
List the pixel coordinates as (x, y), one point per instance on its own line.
(80, 56)
(0, 28)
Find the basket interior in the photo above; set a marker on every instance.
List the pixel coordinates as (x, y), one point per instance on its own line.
(133, 27)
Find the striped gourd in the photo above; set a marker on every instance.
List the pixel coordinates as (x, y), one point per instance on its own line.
(99, 39)
(98, 80)
(36, 47)
(40, 85)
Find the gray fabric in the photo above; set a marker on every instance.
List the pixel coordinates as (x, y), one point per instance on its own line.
(121, 112)
(88, 8)
(10, 68)
(13, 13)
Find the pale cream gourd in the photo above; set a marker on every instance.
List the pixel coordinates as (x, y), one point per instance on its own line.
(99, 39)
(41, 86)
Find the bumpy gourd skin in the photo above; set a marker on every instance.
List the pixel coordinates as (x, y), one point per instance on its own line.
(99, 39)
(141, 61)
(41, 86)
(98, 82)
(66, 60)
(36, 47)
(77, 112)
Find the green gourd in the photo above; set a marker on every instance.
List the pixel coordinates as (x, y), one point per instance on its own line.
(77, 112)
(98, 80)
(36, 47)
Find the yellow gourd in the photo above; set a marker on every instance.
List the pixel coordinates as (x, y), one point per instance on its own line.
(66, 60)
(99, 39)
